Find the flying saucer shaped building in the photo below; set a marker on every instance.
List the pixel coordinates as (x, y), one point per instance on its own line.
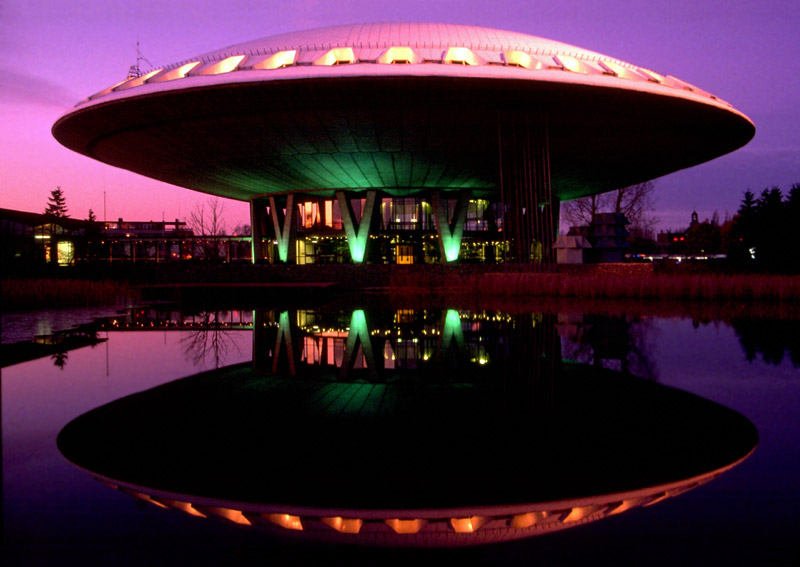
(403, 142)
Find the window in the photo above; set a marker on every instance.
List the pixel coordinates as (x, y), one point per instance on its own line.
(405, 254)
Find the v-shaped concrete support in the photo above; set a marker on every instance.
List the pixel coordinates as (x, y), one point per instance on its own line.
(285, 335)
(451, 337)
(357, 234)
(450, 232)
(284, 225)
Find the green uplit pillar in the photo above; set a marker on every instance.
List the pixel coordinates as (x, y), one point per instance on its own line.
(451, 333)
(358, 333)
(357, 236)
(281, 210)
(258, 225)
(450, 232)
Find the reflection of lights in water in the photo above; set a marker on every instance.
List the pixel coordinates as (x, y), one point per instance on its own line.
(504, 523)
(335, 417)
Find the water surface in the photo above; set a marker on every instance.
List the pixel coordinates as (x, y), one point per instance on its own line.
(54, 511)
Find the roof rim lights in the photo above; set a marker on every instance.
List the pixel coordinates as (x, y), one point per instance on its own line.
(278, 60)
(225, 66)
(177, 73)
(456, 55)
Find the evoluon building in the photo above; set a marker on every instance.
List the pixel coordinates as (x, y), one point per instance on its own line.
(403, 142)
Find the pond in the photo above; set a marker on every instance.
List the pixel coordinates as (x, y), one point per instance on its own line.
(382, 431)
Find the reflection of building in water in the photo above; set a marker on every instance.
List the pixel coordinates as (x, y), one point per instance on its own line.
(423, 528)
(616, 342)
(383, 345)
(423, 464)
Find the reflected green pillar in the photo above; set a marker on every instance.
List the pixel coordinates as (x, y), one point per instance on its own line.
(358, 333)
(284, 336)
(451, 333)
(450, 232)
(283, 221)
(357, 236)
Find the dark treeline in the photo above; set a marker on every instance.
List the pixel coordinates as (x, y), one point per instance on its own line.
(763, 234)
(771, 340)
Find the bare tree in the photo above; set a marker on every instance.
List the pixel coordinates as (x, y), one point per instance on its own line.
(636, 202)
(206, 222)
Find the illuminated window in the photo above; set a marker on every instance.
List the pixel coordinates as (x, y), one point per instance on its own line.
(309, 212)
(467, 525)
(406, 526)
(177, 73)
(225, 66)
(521, 59)
(613, 68)
(278, 60)
(66, 253)
(405, 254)
(135, 82)
(344, 525)
(109, 89)
(398, 55)
(337, 56)
(285, 521)
(651, 76)
(461, 56)
(572, 64)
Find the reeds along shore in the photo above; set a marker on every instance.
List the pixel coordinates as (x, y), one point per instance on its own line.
(28, 293)
(33, 293)
(703, 287)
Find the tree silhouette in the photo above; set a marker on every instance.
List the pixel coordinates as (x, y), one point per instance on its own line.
(56, 203)
(636, 202)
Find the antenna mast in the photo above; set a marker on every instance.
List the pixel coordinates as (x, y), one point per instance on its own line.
(136, 69)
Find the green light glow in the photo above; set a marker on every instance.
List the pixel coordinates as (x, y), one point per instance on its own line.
(452, 330)
(284, 336)
(358, 333)
(283, 226)
(357, 237)
(449, 238)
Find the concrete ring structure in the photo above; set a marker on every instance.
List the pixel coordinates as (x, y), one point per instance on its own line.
(444, 115)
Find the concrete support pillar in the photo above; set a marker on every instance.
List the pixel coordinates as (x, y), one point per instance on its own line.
(449, 231)
(451, 340)
(357, 233)
(258, 229)
(281, 210)
(285, 336)
(525, 189)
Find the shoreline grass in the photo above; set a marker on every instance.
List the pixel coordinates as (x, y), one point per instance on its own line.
(702, 287)
(27, 293)
(600, 283)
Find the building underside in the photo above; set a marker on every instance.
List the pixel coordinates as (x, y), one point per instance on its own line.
(472, 160)
(518, 223)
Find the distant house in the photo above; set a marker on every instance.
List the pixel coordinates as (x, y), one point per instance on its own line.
(572, 249)
(31, 238)
(607, 238)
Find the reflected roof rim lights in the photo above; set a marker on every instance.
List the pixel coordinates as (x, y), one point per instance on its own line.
(652, 494)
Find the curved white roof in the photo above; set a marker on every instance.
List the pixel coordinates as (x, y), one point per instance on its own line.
(428, 49)
(418, 35)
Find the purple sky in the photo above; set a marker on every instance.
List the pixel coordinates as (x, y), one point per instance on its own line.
(53, 54)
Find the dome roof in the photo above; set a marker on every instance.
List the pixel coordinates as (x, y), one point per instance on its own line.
(398, 107)
(418, 35)
(433, 49)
